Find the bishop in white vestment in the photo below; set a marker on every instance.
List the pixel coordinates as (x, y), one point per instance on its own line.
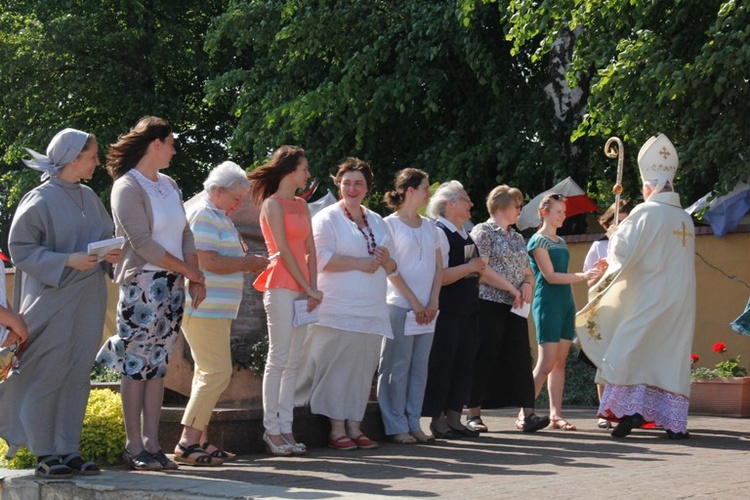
(638, 325)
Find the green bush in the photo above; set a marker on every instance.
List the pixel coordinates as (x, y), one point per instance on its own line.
(102, 438)
(22, 460)
(580, 389)
(258, 355)
(102, 373)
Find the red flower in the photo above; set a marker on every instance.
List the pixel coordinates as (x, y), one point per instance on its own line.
(720, 347)
(694, 358)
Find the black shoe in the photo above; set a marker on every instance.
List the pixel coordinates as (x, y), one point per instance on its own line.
(677, 436)
(534, 422)
(627, 424)
(465, 432)
(164, 461)
(141, 461)
(449, 434)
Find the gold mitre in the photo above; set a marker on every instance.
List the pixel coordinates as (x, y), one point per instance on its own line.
(657, 160)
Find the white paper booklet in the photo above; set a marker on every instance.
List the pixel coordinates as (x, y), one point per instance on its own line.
(103, 247)
(301, 316)
(411, 327)
(522, 311)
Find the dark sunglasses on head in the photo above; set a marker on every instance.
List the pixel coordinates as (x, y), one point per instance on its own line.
(557, 197)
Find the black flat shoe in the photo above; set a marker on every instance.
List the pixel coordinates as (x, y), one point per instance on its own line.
(677, 436)
(627, 424)
(465, 432)
(449, 434)
(141, 461)
(534, 422)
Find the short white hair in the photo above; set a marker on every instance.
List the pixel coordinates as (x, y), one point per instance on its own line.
(447, 191)
(227, 175)
(667, 187)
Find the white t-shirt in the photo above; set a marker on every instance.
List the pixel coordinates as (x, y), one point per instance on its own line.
(597, 251)
(415, 255)
(353, 300)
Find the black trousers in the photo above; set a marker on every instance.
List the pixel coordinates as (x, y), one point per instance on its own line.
(451, 368)
(503, 372)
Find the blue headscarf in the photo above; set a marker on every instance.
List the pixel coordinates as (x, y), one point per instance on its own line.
(64, 148)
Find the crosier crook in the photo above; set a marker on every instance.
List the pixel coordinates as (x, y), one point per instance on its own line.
(615, 149)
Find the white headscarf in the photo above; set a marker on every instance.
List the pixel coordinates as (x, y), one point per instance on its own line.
(64, 148)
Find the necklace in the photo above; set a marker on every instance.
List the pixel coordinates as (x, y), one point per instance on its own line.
(371, 245)
(417, 233)
(81, 206)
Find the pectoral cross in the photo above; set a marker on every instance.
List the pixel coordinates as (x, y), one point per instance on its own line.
(685, 235)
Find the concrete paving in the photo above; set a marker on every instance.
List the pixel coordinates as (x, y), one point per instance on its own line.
(504, 463)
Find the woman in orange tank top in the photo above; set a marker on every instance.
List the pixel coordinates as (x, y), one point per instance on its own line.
(285, 223)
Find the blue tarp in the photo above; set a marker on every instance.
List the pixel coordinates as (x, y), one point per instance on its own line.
(725, 212)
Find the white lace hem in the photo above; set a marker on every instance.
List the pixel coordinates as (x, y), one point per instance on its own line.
(665, 409)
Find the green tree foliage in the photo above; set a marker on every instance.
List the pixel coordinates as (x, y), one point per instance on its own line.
(524, 92)
(408, 83)
(679, 67)
(99, 65)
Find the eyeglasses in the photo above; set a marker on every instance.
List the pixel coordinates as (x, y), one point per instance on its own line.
(557, 197)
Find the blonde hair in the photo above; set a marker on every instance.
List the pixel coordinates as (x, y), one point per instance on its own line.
(501, 197)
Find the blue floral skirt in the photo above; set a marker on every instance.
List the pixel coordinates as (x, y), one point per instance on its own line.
(149, 316)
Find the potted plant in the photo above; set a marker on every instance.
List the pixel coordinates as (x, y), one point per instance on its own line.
(720, 391)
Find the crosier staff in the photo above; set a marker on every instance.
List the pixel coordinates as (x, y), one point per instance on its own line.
(615, 149)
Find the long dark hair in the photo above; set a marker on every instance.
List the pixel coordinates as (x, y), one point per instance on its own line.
(125, 154)
(405, 179)
(266, 178)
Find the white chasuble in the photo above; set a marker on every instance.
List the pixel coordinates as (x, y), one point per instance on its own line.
(638, 325)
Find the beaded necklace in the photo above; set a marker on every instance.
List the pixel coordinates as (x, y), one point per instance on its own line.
(371, 245)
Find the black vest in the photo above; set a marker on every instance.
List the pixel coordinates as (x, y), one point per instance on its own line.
(462, 296)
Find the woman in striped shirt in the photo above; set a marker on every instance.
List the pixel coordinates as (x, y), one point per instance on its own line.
(222, 258)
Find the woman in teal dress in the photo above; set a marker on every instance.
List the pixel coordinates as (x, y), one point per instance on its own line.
(553, 307)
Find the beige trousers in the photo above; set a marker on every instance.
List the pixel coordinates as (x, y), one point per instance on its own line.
(209, 344)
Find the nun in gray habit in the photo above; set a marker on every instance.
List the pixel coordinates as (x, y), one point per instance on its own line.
(61, 292)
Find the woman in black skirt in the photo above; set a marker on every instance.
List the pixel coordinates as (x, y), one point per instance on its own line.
(503, 370)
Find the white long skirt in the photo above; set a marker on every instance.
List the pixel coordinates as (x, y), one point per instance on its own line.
(336, 371)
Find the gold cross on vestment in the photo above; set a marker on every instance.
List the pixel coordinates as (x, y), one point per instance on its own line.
(683, 233)
(664, 152)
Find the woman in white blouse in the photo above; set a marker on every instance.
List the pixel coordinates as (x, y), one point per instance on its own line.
(412, 291)
(159, 255)
(353, 247)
